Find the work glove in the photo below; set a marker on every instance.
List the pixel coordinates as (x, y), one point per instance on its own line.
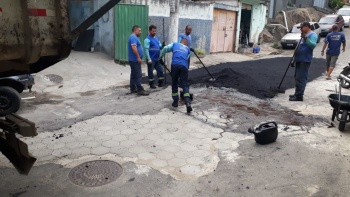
(191, 49)
(163, 44)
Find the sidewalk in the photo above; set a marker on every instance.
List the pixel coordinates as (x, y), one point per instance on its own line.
(81, 72)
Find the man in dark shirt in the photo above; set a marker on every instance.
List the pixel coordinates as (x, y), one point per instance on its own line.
(333, 41)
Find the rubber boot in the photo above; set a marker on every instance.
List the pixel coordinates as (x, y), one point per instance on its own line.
(151, 85)
(160, 83)
(142, 93)
(175, 101)
(175, 104)
(188, 104)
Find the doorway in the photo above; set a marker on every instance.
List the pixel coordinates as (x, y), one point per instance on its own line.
(246, 18)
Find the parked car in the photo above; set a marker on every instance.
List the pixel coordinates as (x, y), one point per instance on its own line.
(10, 88)
(328, 21)
(345, 13)
(291, 39)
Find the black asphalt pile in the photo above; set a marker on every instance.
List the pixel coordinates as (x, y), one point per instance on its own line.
(254, 77)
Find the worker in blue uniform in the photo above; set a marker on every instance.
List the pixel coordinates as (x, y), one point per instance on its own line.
(179, 69)
(152, 49)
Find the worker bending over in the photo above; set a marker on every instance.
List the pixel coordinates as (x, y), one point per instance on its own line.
(179, 69)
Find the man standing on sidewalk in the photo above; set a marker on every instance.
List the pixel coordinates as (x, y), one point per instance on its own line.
(333, 41)
(135, 54)
(179, 69)
(152, 48)
(303, 58)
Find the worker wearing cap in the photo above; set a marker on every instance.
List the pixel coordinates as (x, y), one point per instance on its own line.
(303, 58)
(333, 41)
(179, 69)
(152, 48)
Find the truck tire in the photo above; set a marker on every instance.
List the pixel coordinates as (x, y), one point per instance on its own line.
(10, 101)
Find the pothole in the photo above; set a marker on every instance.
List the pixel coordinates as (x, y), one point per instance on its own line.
(95, 173)
(241, 114)
(54, 78)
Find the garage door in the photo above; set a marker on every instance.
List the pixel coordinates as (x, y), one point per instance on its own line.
(223, 33)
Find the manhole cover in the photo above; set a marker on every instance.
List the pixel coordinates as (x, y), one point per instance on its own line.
(54, 78)
(95, 173)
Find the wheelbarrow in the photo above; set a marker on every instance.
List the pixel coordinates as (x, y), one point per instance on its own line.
(340, 104)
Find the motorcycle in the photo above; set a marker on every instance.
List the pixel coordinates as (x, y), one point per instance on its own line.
(346, 72)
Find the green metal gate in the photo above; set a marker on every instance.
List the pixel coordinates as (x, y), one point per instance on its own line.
(127, 16)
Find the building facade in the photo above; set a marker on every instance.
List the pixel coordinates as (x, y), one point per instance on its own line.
(217, 26)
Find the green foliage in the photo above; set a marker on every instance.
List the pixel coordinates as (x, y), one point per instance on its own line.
(276, 46)
(290, 4)
(199, 51)
(336, 4)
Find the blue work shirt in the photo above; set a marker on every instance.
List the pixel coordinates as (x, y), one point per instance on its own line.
(181, 53)
(152, 48)
(133, 40)
(305, 51)
(187, 37)
(334, 41)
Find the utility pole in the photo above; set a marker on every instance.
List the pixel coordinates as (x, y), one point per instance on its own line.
(174, 25)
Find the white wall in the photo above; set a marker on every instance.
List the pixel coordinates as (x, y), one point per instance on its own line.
(258, 22)
(233, 3)
(239, 17)
(159, 8)
(189, 10)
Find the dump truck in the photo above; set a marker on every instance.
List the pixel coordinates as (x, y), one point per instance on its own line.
(35, 34)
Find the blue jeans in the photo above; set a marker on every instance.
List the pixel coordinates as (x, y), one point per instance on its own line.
(135, 76)
(301, 77)
(181, 72)
(155, 65)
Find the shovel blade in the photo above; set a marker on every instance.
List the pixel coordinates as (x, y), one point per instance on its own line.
(281, 90)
